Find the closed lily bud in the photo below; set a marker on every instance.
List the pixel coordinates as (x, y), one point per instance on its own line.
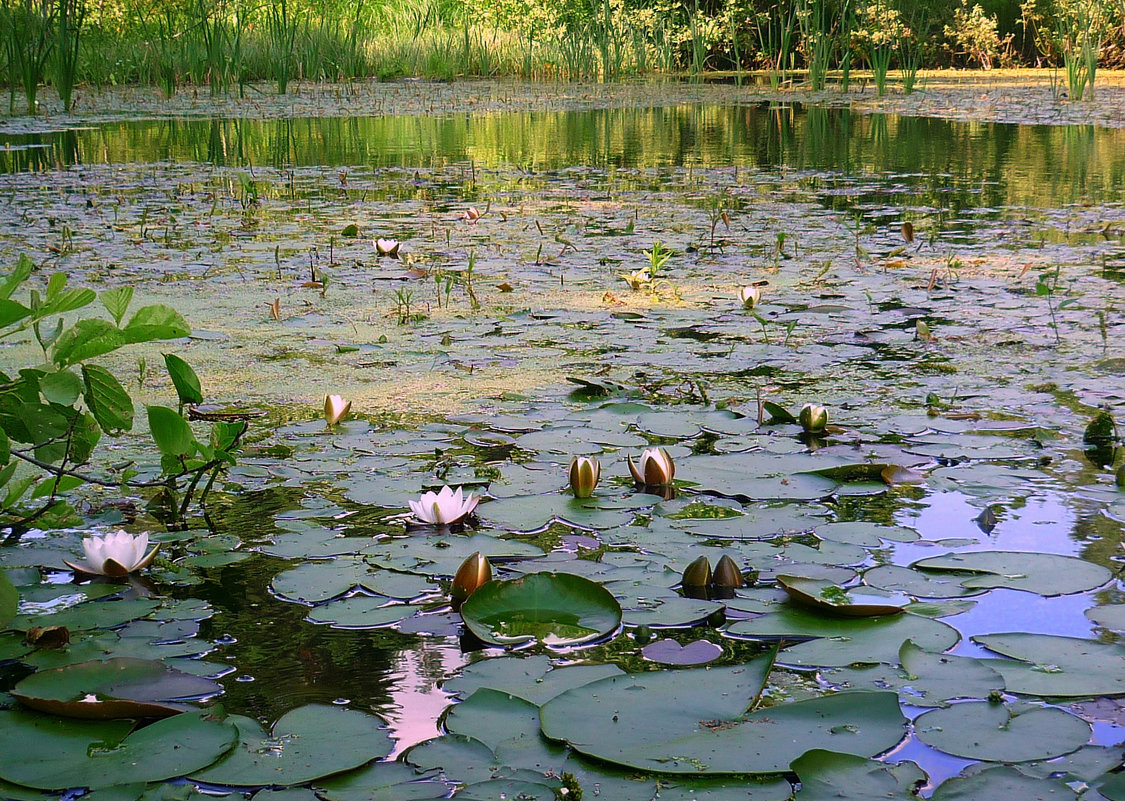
(656, 468)
(335, 409)
(750, 296)
(813, 418)
(698, 573)
(472, 573)
(727, 575)
(584, 474)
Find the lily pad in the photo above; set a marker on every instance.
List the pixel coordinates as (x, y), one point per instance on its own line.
(531, 678)
(1002, 732)
(114, 688)
(361, 612)
(307, 743)
(1042, 573)
(1066, 667)
(1002, 782)
(918, 584)
(380, 781)
(836, 600)
(925, 678)
(692, 721)
(58, 753)
(827, 775)
(554, 608)
(838, 641)
(494, 717)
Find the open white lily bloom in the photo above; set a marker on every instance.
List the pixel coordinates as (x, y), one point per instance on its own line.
(750, 296)
(656, 468)
(387, 247)
(584, 474)
(444, 508)
(813, 418)
(335, 409)
(637, 279)
(116, 554)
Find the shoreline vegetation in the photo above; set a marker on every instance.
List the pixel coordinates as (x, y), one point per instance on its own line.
(230, 49)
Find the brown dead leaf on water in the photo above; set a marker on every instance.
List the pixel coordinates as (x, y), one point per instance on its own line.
(275, 309)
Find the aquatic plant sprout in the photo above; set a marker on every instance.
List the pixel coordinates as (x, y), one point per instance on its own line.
(445, 507)
(115, 554)
(656, 468)
(335, 409)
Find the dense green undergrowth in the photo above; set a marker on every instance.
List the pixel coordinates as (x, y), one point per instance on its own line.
(226, 44)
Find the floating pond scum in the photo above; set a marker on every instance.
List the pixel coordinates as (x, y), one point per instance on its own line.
(931, 602)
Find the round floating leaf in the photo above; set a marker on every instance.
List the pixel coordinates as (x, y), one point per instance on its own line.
(1002, 782)
(926, 678)
(1043, 573)
(826, 775)
(918, 584)
(457, 756)
(1057, 666)
(361, 612)
(530, 678)
(691, 721)
(1111, 617)
(670, 652)
(494, 717)
(1002, 732)
(671, 612)
(114, 688)
(835, 600)
(837, 641)
(314, 582)
(380, 781)
(60, 753)
(90, 615)
(307, 743)
(554, 608)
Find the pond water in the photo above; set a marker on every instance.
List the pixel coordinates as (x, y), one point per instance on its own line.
(960, 358)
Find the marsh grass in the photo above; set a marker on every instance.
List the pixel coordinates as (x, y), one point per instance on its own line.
(29, 39)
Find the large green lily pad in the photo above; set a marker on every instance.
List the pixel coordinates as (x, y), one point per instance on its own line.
(925, 678)
(1057, 666)
(1042, 573)
(838, 641)
(830, 776)
(1002, 782)
(1002, 732)
(60, 753)
(315, 582)
(554, 608)
(692, 721)
(530, 678)
(307, 743)
(114, 688)
(380, 781)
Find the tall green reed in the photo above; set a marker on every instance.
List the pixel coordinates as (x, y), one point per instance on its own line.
(29, 40)
(68, 28)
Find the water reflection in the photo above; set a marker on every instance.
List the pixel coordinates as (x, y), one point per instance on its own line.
(991, 163)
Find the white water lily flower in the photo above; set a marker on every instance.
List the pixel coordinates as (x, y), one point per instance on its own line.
(813, 418)
(335, 409)
(387, 247)
(638, 279)
(656, 468)
(750, 296)
(116, 554)
(443, 508)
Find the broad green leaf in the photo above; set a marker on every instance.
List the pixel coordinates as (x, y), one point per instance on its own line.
(84, 438)
(65, 300)
(57, 486)
(1003, 782)
(116, 301)
(530, 678)
(307, 743)
(184, 379)
(692, 721)
(554, 608)
(12, 312)
(20, 273)
(155, 322)
(1017, 732)
(57, 753)
(86, 339)
(171, 431)
(123, 687)
(1054, 666)
(9, 599)
(107, 399)
(62, 387)
(5, 450)
(1043, 573)
(380, 781)
(830, 776)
